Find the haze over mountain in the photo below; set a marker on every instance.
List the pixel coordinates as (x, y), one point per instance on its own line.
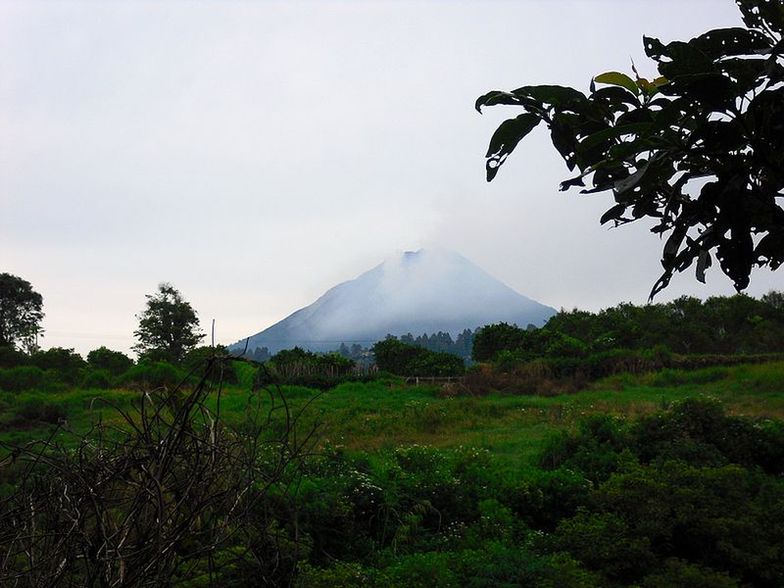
(417, 292)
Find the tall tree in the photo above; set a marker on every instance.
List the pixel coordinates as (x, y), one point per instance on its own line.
(168, 326)
(700, 149)
(20, 313)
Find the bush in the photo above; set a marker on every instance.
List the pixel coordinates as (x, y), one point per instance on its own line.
(100, 379)
(10, 357)
(152, 375)
(114, 362)
(667, 378)
(196, 362)
(66, 363)
(403, 359)
(21, 378)
(37, 410)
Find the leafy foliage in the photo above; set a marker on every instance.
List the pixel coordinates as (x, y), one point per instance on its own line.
(685, 497)
(700, 149)
(114, 362)
(152, 375)
(719, 325)
(491, 339)
(65, 363)
(168, 326)
(403, 359)
(20, 312)
(305, 368)
(20, 378)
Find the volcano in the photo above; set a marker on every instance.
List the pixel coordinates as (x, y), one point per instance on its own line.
(418, 292)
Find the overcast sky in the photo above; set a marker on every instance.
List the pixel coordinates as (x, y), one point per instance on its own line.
(255, 154)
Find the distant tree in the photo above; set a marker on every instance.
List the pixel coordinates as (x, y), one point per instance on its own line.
(344, 350)
(700, 149)
(66, 363)
(168, 326)
(20, 313)
(114, 362)
(410, 360)
(491, 339)
(464, 343)
(260, 354)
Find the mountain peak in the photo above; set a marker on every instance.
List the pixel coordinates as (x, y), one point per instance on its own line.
(423, 291)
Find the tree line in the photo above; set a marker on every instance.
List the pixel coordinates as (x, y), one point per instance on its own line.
(737, 324)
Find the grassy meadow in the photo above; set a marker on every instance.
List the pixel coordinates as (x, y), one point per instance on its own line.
(382, 415)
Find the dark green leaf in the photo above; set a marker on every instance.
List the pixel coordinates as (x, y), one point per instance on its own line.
(615, 97)
(575, 181)
(554, 95)
(760, 13)
(496, 97)
(630, 182)
(614, 133)
(673, 243)
(703, 262)
(771, 249)
(506, 138)
(733, 41)
(613, 214)
(654, 48)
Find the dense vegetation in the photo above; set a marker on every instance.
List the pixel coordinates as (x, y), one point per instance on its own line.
(718, 325)
(405, 359)
(638, 481)
(576, 347)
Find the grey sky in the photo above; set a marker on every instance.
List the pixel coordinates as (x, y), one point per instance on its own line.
(256, 153)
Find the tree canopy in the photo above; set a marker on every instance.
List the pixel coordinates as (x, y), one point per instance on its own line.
(168, 326)
(114, 362)
(20, 312)
(700, 148)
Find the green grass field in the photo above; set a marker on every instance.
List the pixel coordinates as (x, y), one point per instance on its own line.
(382, 415)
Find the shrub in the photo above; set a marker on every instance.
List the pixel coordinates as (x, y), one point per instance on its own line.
(403, 359)
(100, 379)
(65, 363)
(11, 357)
(676, 572)
(114, 362)
(196, 362)
(21, 378)
(667, 378)
(546, 498)
(152, 375)
(37, 410)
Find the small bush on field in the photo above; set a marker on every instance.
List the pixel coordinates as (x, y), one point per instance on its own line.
(100, 379)
(667, 377)
(65, 363)
(115, 362)
(10, 357)
(22, 378)
(38, 410)
(152, 375)
(195, 362)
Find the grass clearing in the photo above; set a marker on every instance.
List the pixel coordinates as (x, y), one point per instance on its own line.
(382, 415)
